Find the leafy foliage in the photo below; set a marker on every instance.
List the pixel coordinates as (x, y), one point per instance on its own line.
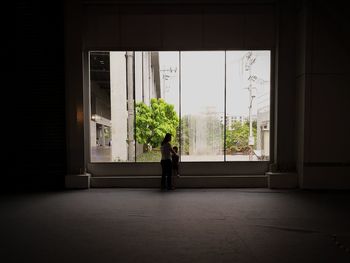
(154, 121)
(237, 137)
(150, 156)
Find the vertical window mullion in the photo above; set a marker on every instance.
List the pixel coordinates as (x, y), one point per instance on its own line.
(180, 116)
(225, 110)
(134, 98)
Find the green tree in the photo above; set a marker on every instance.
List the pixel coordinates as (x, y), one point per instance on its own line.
(237, 137)
(154, 121)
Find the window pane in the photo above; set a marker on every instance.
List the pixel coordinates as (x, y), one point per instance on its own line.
(247, 105)
(112, 107)
(157, 102)
(202, 105)
(100, 120)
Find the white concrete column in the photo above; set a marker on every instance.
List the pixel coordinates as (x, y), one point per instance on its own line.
(103, 138)
(146, 67)
(130, 89)
(119, 115)
(93, 134)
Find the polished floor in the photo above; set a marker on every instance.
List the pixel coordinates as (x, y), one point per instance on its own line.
(185, 225)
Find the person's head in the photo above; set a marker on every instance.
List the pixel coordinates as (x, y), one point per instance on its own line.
(167, 138)
(175, 149)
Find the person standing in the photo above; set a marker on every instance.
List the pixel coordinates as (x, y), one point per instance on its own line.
(166, 151)
(175, 166)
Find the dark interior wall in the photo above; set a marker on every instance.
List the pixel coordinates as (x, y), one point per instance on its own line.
(160, 25)
(174, 25)
(285, 93)
(323, 88)
(42, 160)
(36, 157)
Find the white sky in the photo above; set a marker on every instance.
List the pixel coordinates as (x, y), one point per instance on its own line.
(203, 81)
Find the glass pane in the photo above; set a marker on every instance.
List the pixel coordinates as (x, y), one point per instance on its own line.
(100, 120)
(202, 105)
(112, 107)
(157, 102)
(247, 105)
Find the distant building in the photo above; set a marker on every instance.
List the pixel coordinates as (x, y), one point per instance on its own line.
(231, 119)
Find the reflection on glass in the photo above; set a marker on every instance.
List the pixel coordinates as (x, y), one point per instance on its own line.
(202, 105)
(247, 105)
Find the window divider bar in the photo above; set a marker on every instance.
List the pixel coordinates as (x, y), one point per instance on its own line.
(180, 116)
(225, 111)
(134, 99)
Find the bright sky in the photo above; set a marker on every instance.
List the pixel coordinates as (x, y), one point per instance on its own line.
(203, 81)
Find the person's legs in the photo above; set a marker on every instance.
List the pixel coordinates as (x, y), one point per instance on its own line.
(162, 184)
(173, 178)
(168, 172)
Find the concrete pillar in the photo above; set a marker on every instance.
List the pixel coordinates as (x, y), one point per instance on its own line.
(130, 89)
(74, 84)
(284, 141)
(103, 138)
(146, 68)
(283, 171)
(119, 114)
(93, 134)
(323, 96)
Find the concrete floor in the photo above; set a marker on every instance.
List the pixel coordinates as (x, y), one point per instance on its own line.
(185, 225)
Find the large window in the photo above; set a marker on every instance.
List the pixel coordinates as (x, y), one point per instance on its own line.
(215, 103)
(247, 105)
(202, 105)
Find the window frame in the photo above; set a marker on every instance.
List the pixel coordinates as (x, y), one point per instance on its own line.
(204, 168)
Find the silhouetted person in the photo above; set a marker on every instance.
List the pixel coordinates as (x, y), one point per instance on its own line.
(166, 163)
(175, 165)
